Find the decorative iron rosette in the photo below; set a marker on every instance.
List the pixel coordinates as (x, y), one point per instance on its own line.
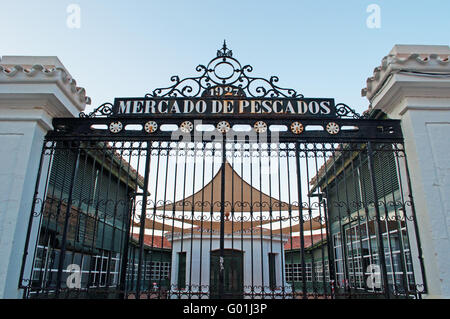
(115, 127)
(333, 128)
(260, 127)
(186, 127)
(223, 127)
(297, 128)
(150, 127)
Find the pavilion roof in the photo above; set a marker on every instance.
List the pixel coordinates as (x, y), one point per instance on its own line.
(239, 196)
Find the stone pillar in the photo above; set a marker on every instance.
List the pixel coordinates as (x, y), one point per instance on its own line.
(33, 90)
(413, 84)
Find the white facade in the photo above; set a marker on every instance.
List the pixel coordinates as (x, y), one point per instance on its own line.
(413, 85)
(33, 90)
(199, 250)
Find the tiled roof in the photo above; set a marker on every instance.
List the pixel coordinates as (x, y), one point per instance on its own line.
(126, 167)
(45, 73)
(309, 241)
(420, 58)
(154, 241)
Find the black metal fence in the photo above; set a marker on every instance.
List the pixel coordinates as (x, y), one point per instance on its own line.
(117, 218)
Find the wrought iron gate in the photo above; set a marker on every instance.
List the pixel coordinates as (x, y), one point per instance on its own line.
(223, 205)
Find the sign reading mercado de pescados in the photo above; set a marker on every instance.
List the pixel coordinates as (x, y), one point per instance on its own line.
(225, 88)
(304, 107)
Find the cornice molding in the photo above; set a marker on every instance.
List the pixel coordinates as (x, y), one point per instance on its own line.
(40, 74)
(419, 61)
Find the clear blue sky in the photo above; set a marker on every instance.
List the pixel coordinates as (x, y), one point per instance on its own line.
(128, 48)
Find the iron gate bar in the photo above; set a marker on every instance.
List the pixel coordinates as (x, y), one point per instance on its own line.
(130, 231)
(41, 213)
(331, 261)
(200, 287)
(127, 235)
(242, 199)
(399, 231)
(416, 227)
(222, 221)
(300, 213)
(231, 213)
(403, 259)
(104, 228)
(251, 229)
(366, 210)
(184, 198)
(380, 245)
(341, 229)
(133, 213)
(41, 216)
(152, 146)
(347, 210)
(358, 217)
(142, 220)
(30, 222)
(271, 217)
(192, 219)
(154, 212)
(322, 219)
(313, 265)
(177, 149)
(58, 208)
(386, 217)
(278, 188)
(66, 221)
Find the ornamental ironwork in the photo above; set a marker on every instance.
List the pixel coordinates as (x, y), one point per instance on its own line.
(302, 188)
(224, 74)
(103, 110)
(225, 86)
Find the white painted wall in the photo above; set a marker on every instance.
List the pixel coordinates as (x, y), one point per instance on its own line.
(21, 144)
(29, 99)
(200, 254)
(427, 145)
(422, 102)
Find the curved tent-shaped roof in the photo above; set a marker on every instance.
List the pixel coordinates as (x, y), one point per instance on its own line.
(240, 196)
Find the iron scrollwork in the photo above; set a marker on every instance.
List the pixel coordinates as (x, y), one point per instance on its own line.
(223, 76)
(224, 71)
(344, 111)
(103, 110)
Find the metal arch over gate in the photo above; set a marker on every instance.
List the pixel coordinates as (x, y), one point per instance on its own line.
(223, 186)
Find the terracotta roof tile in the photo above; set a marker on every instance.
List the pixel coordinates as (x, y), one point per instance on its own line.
(154, 241)
(309, 241)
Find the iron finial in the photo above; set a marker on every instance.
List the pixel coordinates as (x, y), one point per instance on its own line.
(224, 52)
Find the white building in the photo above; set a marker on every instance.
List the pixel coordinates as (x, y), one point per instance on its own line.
(253, 256)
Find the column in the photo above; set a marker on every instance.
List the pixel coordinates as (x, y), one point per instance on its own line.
(413, 85)
(33, 91)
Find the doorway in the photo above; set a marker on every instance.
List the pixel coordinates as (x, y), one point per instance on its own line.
(233, 269)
